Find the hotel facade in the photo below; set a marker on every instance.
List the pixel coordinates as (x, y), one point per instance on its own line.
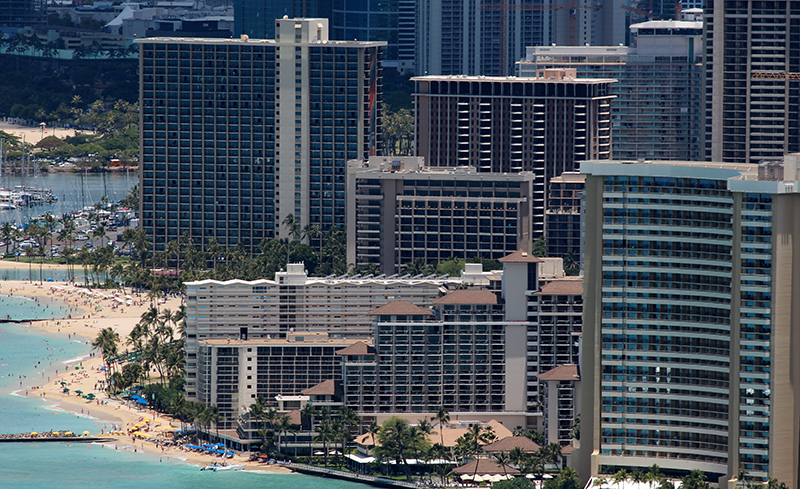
(689, 343)
(236, 134)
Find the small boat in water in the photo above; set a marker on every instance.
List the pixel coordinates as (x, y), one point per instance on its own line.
(221, 466)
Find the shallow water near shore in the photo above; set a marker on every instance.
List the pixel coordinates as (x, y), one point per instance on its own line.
(25, 356)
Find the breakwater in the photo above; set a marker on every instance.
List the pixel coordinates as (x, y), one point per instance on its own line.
(46, 437)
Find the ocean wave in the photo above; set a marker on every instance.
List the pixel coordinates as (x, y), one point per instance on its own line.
(77, 359)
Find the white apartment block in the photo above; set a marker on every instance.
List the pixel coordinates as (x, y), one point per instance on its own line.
(293, 303)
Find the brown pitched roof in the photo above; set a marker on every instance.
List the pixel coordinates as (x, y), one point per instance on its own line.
(562, 286)
(357, 348)
(400, 308)
(562, 372)
(465, 296)
(520, 256)
(485, 466)
(510, 442)
(326, 388)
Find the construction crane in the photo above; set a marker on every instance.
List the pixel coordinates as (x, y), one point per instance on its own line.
(504, 8)
(641, 12)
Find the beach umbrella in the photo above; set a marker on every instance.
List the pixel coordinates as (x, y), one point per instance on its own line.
(68, 433)
(79, 392)
(56, 433)
(85, 432)
(33, 433)
(466, 477)
(63, 383)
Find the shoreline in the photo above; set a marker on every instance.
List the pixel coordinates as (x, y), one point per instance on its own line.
(91, 314)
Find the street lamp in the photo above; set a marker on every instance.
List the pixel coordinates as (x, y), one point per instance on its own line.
(42, 125)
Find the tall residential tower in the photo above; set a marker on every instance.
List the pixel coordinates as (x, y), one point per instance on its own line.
(237, 134)
(752, 67)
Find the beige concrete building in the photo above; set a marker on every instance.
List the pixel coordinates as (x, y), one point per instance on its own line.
(399, 210)
(690, 345)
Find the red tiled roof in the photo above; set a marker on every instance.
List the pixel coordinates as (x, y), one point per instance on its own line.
(400, 308)
(562, 372)
(476, 296)
(520, 256)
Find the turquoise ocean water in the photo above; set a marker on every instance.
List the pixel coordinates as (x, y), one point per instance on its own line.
(30, 356)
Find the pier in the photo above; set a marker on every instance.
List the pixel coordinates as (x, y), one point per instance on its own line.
(349, 476)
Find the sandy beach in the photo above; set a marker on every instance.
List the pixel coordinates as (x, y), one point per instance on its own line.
(90, 314)
(34, 134)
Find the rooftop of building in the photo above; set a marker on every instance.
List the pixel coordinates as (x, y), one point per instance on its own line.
(510, 442)
(304, 338)
(569, 177)
(562, 372)
(400, 308)
(546, 76)
(668, 24)
(389, 171)
(247, 41)
(562, 286)
(667, 168)
(325, 388)
(358, 348)
(355, 280)
(520, 256)
(468, 296)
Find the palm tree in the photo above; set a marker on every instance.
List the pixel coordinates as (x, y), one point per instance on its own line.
(620, 477)
(283, 426)
(653, 475)
(442, 417)
(324, 435)
(6, 232)
(293, 226)
(49, 223)
(552, 453)
(349, 419)
(516, 456)
(214, 416)
(107, 342)
(502, 459)
(637, 476)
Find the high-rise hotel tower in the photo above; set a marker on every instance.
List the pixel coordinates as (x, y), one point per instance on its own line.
(236, 134)
(692, 310)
